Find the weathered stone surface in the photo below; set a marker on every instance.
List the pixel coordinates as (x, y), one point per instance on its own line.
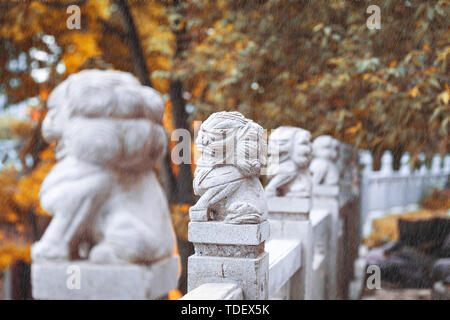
(215, 291)
(233, 151)
(321, 190)
(224, 250)
(103, 192)
(327, 194)
(284, 262)
(52, 280)
(289, 207)
(326, 197)
(223, 233)
(249, 274)
(229, 222)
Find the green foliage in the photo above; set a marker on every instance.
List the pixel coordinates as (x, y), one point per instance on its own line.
(316, 65)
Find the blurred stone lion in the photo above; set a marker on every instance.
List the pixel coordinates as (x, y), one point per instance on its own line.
(290, 153)
(106, 201)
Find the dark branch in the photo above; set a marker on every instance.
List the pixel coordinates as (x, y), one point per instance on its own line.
(63, 5)
(133, 42)
(109, 28)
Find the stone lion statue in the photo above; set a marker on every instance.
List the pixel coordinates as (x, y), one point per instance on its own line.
(324, 167)
(226, 177)
(289, 157)
(106, 201)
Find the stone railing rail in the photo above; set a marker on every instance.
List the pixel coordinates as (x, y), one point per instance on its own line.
(388, 191)
(309, 253)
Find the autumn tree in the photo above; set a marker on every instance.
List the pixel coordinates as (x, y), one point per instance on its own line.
(316, 65)
(40, 50)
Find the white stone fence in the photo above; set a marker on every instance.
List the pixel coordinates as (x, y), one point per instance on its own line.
(306, 250)
(388, 191)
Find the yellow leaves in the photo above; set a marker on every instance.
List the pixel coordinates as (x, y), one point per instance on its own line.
(442, 54)
(180, 219)
(167, 117)
(21, 128)
(337, 61)
(175, 294)
(318, 27)
(10, 252)
(82, 46)
(354, 129)
(11, 128)
(385, 229)
(426, 47)
(13, 24)
(393, 64)
(444, 97)
(414, 92)
(20, 227)
(376, 141)
(47, 154)
(430, 71)
(11, 217)
(43, 94)
(27, 193)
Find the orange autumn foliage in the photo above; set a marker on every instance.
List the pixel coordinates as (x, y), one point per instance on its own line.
(386, 229)
(11, 251)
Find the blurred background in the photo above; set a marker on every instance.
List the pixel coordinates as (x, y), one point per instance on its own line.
(311, 64)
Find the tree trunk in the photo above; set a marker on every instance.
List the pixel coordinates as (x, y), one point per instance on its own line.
(184, 191)
(142, 72)
(133, 43)
(183, 187)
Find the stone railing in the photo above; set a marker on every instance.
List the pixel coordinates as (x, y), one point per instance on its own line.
(390, 191)
(304, 250)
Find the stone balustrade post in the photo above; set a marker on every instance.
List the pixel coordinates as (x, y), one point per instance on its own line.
(289, 218)
(326, 197)
(110, 236)
(229, 224)
(230, 253)
(289, 200)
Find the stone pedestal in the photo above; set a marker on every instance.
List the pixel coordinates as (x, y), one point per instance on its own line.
(230, 253)
(83, 280)
(327, 197)
(289, 219)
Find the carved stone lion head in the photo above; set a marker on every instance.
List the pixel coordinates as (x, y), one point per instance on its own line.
(230, 138)
(290, 144)
(326, 147)
(106, 118)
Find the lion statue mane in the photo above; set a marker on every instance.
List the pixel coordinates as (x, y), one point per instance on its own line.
(290, 153)
(103, 193)
(226, 177)
(324, 167)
